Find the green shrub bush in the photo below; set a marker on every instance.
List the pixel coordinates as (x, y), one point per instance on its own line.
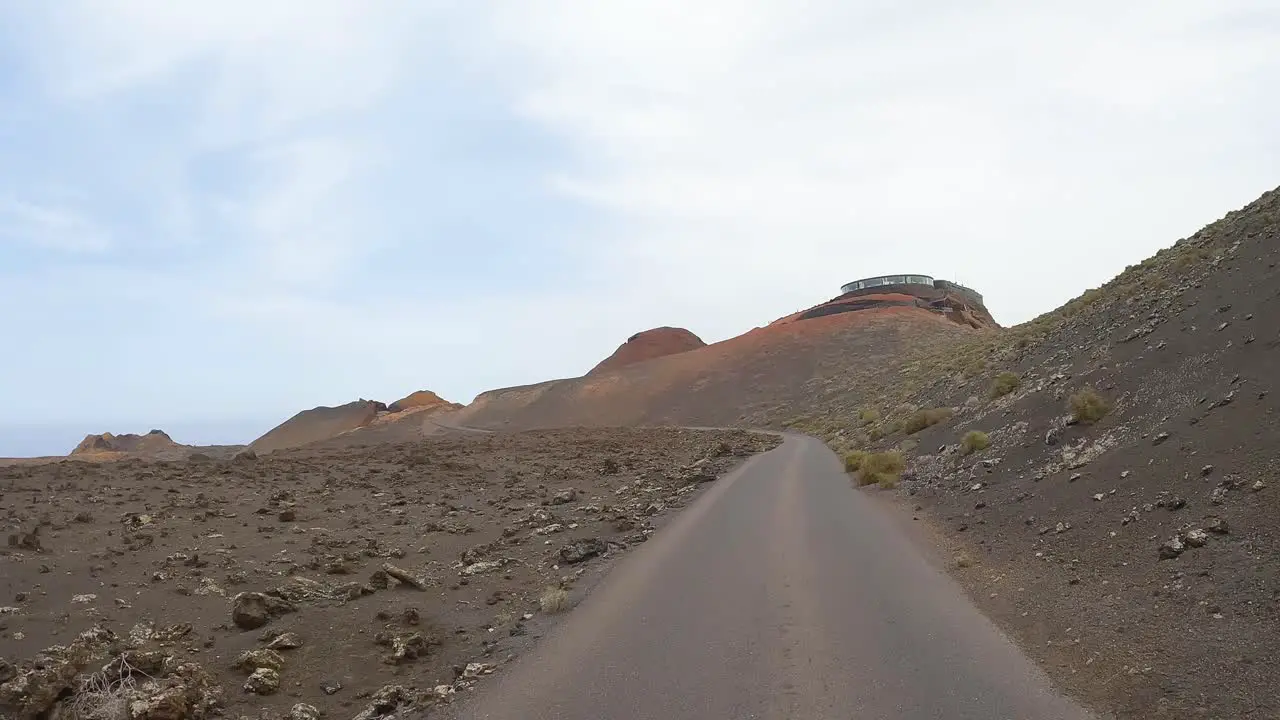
(882, 469)
(853, 460)
(973, 441)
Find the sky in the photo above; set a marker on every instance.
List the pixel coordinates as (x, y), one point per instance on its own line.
(216, 214)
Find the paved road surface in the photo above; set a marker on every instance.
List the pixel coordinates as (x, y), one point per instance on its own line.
(783, 594)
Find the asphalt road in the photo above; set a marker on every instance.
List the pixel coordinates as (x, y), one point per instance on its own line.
(781, 593)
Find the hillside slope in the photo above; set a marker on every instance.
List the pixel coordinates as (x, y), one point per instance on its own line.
(1137, 556)
(319, 423)
(363, 422)
(736, 381)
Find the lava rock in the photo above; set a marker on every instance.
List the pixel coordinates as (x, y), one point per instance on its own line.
(263, 681)
(582, 550)
(1172, 548)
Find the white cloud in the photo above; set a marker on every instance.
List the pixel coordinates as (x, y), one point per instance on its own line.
(51, 228)
(283, 90)
(755, 152)
(732, 162)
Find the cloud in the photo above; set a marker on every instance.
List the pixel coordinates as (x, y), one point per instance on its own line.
(306, 202)
(51, 228)
(760, 151)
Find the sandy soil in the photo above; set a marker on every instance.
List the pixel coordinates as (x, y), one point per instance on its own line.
(356, 579)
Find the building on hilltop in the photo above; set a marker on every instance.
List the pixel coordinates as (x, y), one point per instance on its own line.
(909, 284)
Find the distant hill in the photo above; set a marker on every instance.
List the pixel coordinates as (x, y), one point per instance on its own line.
(154, 445)
(648, 345)
(357, 422)
(422, 399)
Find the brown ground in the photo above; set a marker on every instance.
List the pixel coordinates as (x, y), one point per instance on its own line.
(484, 523)
(649, 345)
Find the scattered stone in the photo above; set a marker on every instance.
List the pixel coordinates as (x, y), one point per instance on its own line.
(476, 669)
(565, 496)
(385, 701)
(1217, 526)
(303, 711)
(1175, 503)
(252, 610)
(1206, 470)
(1160, 438)
(1219, 495)
(404, 576)
(263, 681)
(405, 648)
(255, 659)
(285, 641)
(581, 550)
(481, 567)
(287, 515)
(1257, 486)
(1172, 548)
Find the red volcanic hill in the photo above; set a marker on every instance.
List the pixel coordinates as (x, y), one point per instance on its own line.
(422, 399)
(648, 345)
(791, 362)
(357, 422)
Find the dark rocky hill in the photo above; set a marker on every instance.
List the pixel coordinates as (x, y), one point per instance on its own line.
(1118, 511)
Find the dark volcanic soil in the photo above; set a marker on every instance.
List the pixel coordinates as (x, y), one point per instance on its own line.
(381, 576)
(1137, 557)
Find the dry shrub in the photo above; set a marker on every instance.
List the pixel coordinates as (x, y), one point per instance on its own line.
(973, 441)
(1088, 407)
(554, 600)
(1005, 383)
(922, 419)
(100, 696)
(882, 469)
(869, 415)
(853, 461)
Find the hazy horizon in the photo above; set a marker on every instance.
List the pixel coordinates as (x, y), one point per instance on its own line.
(217, 215)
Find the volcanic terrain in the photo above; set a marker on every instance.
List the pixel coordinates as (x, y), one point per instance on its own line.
(1102, 480)
(346, 582)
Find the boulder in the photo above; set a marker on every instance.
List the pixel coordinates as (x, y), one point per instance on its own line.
(582, 550)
